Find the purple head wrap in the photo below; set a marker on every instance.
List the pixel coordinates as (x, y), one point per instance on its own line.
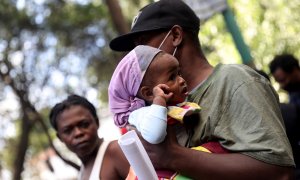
(125, 83)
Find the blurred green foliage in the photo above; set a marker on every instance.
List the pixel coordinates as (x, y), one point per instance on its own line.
(268, 28)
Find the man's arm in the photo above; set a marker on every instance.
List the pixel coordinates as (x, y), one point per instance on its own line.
(196, 164)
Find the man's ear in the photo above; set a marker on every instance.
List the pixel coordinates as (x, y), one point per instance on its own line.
(177, 33)
(146, 93)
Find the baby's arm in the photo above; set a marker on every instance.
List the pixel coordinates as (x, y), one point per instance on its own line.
(151, 121)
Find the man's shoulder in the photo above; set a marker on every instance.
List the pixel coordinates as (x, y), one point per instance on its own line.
(232, 69)
(234, 73)
(229, 77)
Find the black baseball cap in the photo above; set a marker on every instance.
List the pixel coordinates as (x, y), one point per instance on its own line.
(162, 14)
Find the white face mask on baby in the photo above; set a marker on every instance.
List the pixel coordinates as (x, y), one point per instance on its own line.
(159, 47)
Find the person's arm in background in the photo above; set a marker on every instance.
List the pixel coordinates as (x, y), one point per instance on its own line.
(196, 164)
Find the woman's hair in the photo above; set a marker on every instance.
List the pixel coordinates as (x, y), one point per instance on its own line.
(72, 100)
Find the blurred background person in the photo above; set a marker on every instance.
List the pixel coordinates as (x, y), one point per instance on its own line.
(286, 71)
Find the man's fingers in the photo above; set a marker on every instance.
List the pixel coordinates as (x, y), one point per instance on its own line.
(131, 127)
(171, 133)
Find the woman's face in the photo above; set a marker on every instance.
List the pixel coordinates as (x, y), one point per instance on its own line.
(77, 128)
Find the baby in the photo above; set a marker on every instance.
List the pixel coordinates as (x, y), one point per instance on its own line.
(145, 88)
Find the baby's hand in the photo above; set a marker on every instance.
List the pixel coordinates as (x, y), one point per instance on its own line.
(161, 91)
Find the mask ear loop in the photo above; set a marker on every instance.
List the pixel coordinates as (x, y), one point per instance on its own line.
(175, 51)
(164, 40)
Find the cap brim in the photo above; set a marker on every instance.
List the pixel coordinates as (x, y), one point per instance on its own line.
(123, 43)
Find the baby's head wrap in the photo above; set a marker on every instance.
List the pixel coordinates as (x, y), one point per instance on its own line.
(125, 83)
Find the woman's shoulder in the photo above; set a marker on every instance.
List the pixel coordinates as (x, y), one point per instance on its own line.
(114, 160)
(115, 152)
(113, 146)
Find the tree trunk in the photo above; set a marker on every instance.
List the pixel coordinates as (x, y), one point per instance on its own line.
(22, 147)
(117, 16)
(30, 117)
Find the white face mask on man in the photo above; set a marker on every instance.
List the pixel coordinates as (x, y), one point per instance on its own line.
(159, 47)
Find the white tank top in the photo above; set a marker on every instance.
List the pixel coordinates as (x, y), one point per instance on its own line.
(97, 164)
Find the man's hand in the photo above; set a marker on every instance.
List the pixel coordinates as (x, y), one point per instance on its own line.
(159, 153)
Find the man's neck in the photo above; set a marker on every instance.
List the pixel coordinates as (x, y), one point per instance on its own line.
(196, 73)
(194, 66)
